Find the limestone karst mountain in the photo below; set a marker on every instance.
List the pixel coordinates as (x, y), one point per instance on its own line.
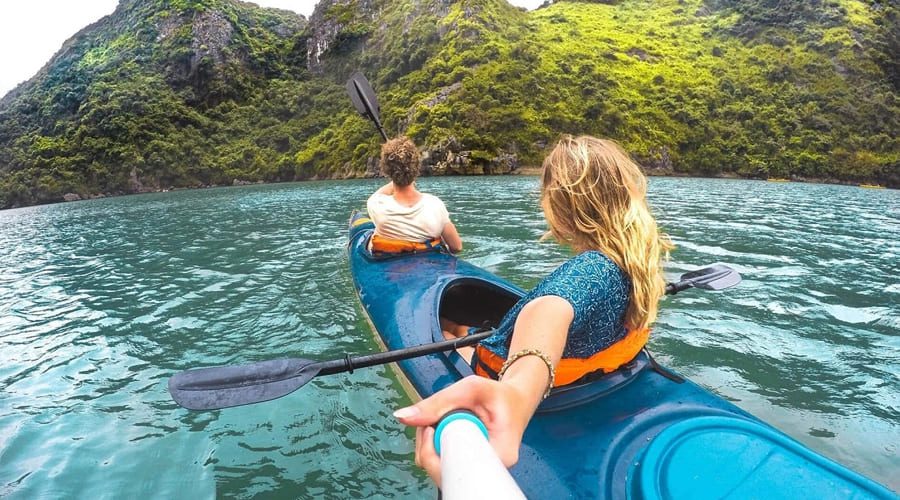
(170, 94)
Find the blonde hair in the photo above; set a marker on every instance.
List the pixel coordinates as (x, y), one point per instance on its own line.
(400, 160)
(595, 198)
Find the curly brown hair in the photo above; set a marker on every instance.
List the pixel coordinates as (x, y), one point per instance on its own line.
(400, 161)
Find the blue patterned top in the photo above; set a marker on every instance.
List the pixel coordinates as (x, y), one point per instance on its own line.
(598, 292)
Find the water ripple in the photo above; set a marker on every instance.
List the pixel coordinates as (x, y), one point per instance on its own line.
(102, 301)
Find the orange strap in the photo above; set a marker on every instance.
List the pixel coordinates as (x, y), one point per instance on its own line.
(487, 364)
(387, 245)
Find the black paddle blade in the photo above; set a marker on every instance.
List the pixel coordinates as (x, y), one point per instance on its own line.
(716, 277)
(364, 100)
(363, 97)
(227, 386)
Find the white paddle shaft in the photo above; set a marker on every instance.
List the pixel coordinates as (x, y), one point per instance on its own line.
(470, 469)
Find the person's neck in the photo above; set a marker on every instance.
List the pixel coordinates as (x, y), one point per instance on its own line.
(407, 195)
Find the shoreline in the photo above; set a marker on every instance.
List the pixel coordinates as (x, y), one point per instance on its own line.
(525, 171)
(796, 179)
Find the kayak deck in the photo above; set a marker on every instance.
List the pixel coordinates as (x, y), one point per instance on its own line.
(638, 433)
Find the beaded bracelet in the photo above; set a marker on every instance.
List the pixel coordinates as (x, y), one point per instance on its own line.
(530, 352)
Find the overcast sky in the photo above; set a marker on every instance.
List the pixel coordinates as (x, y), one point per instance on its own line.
(31, 31)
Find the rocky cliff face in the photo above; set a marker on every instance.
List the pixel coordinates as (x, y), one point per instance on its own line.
(340, 26)
(209, 45)
(337, 26)
(361, 34)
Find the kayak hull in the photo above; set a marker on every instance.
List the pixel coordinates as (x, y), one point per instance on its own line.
(641, 432)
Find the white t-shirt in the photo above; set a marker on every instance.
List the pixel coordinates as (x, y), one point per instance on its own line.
(423, 221)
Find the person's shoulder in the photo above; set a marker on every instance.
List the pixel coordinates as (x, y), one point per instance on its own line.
(592, 258)
(378, 197)
(586, 265)
(579, 276)
(432, 199)
(595, 263)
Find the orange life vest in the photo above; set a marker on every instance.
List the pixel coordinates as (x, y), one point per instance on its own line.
(488, 364)
(381, 245)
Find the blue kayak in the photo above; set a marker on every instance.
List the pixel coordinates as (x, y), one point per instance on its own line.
(642, 432)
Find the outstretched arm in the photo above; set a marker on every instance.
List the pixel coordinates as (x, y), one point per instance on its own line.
(505, 407)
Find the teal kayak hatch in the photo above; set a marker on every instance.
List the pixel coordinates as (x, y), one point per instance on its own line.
(641, 432)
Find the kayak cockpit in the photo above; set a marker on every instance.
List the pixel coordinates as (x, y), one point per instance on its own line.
(474, 302)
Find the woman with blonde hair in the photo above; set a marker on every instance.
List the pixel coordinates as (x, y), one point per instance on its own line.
(590, 315)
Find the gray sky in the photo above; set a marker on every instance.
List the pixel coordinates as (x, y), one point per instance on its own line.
(31, 31)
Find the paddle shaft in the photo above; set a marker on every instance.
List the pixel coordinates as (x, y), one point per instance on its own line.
(348, 364)
(222, 387)
(673, 288)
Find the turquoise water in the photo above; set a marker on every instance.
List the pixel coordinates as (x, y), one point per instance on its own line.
(101, 301)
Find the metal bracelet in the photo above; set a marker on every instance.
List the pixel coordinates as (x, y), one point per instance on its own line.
(530, 352)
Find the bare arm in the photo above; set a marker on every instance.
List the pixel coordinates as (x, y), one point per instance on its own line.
(505, 407)
(451, 238)
(542, 325)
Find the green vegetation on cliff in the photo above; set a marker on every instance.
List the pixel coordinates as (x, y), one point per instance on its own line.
(171, 93)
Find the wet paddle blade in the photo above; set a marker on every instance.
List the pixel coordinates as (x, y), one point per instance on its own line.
(717, 277)
(227, 386)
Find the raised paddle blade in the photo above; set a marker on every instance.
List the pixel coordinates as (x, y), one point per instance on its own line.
(227, 386)
(363, 96)
(716, 277)
(364, 100)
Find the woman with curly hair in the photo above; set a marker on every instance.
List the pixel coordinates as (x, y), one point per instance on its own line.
(404, 217)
